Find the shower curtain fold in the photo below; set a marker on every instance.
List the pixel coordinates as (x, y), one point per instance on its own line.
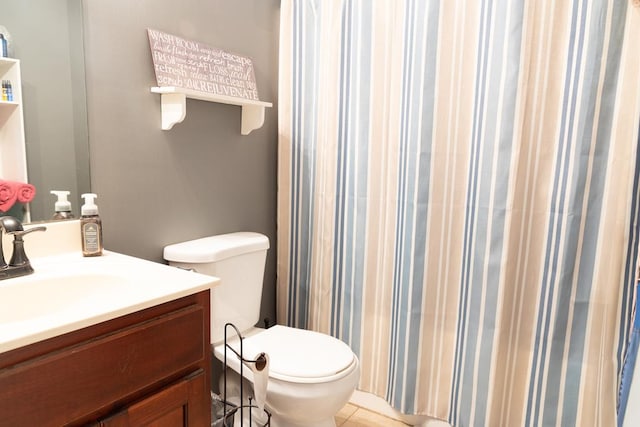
(628, 370)
(457, 199)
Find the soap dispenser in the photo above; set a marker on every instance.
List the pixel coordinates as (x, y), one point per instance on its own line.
(62, 207)
(90, 227)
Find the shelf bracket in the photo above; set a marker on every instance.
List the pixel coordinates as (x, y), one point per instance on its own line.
(252, 118)
(173, 109)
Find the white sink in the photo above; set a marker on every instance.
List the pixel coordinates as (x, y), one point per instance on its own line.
(50, 295)
(68, 292)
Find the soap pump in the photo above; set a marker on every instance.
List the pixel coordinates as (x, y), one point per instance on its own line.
(62, 207)
(90, 227)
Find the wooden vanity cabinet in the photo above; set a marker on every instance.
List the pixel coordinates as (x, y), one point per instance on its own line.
(151, 367)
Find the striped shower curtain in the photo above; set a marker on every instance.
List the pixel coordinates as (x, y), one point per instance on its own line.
(456, 199)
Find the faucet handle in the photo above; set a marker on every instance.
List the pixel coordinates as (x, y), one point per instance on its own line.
(19, 256)
(20, 233)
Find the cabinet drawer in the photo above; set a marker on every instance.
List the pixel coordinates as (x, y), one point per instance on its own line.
(81, 380)
(184, 403)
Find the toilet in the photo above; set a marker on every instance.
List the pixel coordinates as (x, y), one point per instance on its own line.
(311, 375)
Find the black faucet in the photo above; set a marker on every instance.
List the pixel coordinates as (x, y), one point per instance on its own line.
(19, 264)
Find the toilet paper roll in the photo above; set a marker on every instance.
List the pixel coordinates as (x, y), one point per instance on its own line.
(260, 370)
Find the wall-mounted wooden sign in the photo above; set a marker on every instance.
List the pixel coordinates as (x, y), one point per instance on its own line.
(191, 65)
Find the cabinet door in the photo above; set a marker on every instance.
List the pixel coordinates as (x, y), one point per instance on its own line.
(184, 403)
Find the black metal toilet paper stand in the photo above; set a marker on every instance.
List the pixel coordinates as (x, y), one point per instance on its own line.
(230, 410)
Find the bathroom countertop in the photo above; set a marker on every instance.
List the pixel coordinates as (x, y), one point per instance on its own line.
(68, 291)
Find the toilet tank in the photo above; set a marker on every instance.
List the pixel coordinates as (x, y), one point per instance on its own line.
(238, 260)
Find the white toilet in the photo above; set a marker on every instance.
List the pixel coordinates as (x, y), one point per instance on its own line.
(311, 375)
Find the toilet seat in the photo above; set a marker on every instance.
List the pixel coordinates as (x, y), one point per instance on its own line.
(298, 355)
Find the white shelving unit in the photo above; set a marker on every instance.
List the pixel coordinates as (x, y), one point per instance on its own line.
(13, 158)
(173, 106)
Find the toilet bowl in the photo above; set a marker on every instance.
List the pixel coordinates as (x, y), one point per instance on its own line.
(311, 375)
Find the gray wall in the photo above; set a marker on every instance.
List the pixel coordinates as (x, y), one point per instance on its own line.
(202, 177)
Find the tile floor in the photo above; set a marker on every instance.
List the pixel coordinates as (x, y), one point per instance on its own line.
(355, 416)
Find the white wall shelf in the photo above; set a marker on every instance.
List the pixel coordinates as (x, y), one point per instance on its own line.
(173, 107)
(13, 159)
(13, 153)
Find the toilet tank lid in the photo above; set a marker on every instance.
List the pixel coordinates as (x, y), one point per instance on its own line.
(216, 248)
